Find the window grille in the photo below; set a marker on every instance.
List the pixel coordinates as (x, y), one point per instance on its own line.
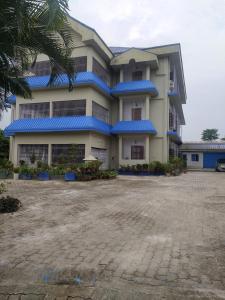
(100, 112)
(34, 110)
(69, 108)
(137, 152)
(136, 113)
(68, 154)
(137, 75)
(194, 157)
(100, 71)
(27, 152)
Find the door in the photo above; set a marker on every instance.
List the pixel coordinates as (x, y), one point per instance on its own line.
(210, 159)
(101, 155)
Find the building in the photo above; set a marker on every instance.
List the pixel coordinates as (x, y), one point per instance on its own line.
(201, 155)
(125, 108)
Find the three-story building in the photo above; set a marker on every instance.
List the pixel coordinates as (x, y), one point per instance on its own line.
(125, 108)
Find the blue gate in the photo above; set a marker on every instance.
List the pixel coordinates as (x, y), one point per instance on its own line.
(210, 159)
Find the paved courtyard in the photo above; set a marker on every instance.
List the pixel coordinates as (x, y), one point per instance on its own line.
(129, 238)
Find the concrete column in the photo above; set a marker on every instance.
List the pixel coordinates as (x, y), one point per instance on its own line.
(120, 149)
(147, 107)
(121, 74)
(49, 154)
(88, 146)
(121, 109)
(15, 153)
(147, 150)
(148, 72)
(88, 107)
(50, 109)
(89, 63)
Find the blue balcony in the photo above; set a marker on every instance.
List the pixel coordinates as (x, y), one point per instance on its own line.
(135, 87)
(134, 127)
(59, 124)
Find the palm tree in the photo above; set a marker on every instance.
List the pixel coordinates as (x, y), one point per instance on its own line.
(28, 28)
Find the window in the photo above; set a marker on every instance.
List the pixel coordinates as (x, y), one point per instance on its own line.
(137, 75)
(137, 152)
(171, 153)
(172, 75)
(194, 157)
(69, 108)
(79, 63)
(100, 112)
(68, 153)
(100, 71)
(136, 113)
(27, 152)
(171, 120)
(34, 110)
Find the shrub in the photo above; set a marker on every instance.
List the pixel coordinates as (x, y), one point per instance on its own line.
(2, 188)
(9, 204)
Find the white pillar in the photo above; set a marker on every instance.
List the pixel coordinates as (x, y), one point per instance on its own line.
(121, 74)
(120, 109)
(147, 107)
(89, 63)
(88, 107)
(120, 149)
(49, 154)
(148, 72)
(50, 109)
(147, 150)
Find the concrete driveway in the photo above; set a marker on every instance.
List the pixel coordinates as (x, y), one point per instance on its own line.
(129, 238)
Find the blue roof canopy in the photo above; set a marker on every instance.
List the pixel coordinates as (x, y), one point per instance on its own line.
(132, 87)
(59, 124)
(142, 126)
(82, 78)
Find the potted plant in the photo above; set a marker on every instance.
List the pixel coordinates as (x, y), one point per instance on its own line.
(43, 171)
(16, 171)
(32, 158)
(70, 175)
(26, 172)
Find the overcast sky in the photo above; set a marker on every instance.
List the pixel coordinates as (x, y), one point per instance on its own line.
(199, 25)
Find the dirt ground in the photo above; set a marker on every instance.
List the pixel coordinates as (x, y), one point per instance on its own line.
(128, 238)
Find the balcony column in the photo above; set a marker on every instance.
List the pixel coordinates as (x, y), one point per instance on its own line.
(50, 109)
(89, 63)
(148, 72)
(147, 107)
(120, 109)
(121, 74)
(120, 149)
(88, 107)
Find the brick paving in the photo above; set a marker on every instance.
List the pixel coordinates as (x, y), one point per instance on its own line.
(129, 238)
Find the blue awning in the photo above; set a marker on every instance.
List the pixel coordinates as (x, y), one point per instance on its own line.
(174, 137)
(132, 87)
(59, 124)
(82, 78)
(11, 99)
(142, 126)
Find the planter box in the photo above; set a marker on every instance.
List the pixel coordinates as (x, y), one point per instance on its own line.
(70, 176)
(43, 176)
(141, 173)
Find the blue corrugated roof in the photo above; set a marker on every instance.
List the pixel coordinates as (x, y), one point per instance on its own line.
(142, 86)
(142, 126)
(11, 99)
(82, 78)
(59, 124)
(174, 136)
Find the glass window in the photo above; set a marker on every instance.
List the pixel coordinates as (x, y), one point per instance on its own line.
(136, 113)
(194, 157)
(79, 63)
(32, 153)
(137, 75)
(34, 110)
(68, 153)
(184, 156)
(69, 108)
(100, 112)
(137, 152)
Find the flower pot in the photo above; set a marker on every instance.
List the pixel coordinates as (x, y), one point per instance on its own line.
(70, 176)
(43, 176)
(15, 176)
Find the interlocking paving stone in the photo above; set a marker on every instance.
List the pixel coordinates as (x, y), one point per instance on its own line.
(152, 233)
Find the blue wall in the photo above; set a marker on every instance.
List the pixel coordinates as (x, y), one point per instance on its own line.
(210, 159)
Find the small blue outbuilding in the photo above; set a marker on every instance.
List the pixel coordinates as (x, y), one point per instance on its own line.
(202, 155)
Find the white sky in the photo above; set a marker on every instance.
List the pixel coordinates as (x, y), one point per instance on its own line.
(199, 25)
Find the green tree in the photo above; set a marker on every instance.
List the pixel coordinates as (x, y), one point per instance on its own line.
(28, 28)
(210, 134)
(4, 147)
